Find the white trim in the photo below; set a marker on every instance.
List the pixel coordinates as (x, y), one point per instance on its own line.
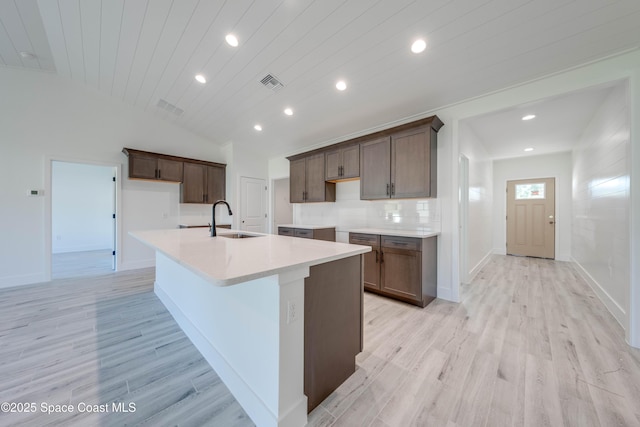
(22, 280)
(475, 270)
(614, 308)
(48, 210)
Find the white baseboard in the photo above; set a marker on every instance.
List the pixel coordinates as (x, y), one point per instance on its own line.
(21, 280)
(445, 294)
(86, 248)
(614, 308)
(499, 251)
(484, 261)
(135, 265)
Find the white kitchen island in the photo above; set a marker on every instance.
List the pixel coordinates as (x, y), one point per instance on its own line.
(241, 302)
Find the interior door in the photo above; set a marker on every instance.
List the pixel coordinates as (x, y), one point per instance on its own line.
(253, 204)
(282, 208)
(531, 217)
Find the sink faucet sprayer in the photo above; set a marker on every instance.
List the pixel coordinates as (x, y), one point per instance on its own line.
(213, 216)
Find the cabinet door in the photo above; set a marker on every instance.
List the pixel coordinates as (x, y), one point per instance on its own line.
(401, 273)
(371, 259)
(216, 184)
(375, 164)
(142, 167)
(169, 170)
(285, 231)
(315, 178)
(333, 163)
(297, 180)
(193, 184)
(410, 163)
(351, 162)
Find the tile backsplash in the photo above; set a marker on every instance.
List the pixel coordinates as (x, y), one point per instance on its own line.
(349, 212)
(197, 214)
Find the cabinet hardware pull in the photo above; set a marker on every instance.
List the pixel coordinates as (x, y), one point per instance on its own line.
(159, 173)
(381, 257)
(156, 173)
(387, 189)
(393, 189)
(376, 251)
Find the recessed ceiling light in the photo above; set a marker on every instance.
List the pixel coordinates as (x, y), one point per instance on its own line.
(418, 46)
(341, 85)
(288, 111)
(528, 149)
(201, 79)
(529, 117)
(27, 55)
(232, 40)
(258, 128)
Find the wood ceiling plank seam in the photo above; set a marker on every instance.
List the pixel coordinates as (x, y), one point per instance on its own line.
(133, 15)
(326, 51)
(110, 27)
(7, 49)
(32, 22)
(91, 24)
(153, 54)
(183, 63)
(17, 33)
(72, 29)
(52, 21)
(524, 55)
(154, 22)
(161, 62)
(300, 38)
(238, 73)
(183, 83)
(196, 92)
(187, 106)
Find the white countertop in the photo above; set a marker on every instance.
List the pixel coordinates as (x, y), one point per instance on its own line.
(390, 232)
(224, 261)
(199, 224)
(307, 226)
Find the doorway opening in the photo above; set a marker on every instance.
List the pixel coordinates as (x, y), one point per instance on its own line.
(463, 212)
(531, 205)
(83, 219)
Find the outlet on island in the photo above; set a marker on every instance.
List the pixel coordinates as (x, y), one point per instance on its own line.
(292, 314)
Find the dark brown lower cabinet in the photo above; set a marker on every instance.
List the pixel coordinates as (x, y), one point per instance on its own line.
(332, 326)
(404, 268)
(328, 234)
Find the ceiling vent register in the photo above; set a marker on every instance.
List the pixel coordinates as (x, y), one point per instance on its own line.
(271, 82)
(169, 107)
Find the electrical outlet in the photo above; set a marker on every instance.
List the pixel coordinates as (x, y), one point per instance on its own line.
(292, 315)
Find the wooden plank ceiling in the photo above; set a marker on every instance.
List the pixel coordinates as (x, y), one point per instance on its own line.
(141, 51)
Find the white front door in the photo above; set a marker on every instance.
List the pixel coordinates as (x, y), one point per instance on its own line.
(253, 204)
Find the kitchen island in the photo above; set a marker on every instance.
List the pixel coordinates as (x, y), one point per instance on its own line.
(242, 302)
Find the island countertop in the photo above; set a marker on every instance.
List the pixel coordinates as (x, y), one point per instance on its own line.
(223, 261)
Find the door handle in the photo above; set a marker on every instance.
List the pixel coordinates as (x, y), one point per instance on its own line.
(551, 222)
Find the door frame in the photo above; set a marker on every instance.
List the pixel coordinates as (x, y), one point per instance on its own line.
(556, 240)
(48, 208)
(463, 217)
(272, 226)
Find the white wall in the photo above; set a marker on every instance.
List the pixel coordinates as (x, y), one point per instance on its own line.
(556, 166)
(349, 212)
(481, 207)
(82, 205)
(44, 117)
(601, 202)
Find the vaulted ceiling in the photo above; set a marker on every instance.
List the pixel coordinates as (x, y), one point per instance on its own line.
(146, 52)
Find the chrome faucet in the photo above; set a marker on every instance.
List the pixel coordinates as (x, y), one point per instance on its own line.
(213, 216)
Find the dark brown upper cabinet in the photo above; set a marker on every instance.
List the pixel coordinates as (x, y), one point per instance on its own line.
(202, 183)
(145, 165)
(307, 183)
(402, 165)
(342, 163)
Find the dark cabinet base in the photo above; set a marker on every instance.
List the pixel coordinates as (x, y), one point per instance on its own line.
(332, 326)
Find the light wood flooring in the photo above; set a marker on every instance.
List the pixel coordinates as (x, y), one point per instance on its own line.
(81, 264)
(529, 346)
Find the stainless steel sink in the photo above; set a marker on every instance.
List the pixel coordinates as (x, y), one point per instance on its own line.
(236, 235)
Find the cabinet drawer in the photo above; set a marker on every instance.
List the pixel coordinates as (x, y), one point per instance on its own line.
(304, 233)
(285, 231)
(398, 242)
(364, 239)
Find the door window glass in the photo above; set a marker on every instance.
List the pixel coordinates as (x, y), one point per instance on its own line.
(530, 191)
